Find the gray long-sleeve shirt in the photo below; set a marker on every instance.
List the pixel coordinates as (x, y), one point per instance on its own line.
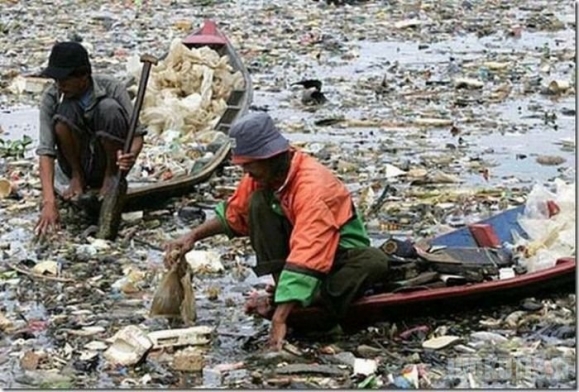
(103, 86)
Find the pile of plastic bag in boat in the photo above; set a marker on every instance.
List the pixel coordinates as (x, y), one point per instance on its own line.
(549, 220)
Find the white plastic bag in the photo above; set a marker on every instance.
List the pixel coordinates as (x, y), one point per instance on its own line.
(550, 237)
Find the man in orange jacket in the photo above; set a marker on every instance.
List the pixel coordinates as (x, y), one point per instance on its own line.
(301, 222)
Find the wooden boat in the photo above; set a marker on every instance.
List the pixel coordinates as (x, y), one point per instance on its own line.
(424, 299)
(150, 195)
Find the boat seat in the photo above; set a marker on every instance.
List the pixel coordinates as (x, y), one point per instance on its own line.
(235, 97)
(223, 128)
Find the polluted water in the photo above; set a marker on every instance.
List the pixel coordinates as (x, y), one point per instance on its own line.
(436, 114)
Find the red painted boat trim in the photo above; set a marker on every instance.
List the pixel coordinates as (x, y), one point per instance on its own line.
(564, 266)
(209, 34)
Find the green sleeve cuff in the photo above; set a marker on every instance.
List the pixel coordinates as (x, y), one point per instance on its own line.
(294, 286)
(220, 212)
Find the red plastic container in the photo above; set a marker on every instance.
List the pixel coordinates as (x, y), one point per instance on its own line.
(553, 208)
(484, 235)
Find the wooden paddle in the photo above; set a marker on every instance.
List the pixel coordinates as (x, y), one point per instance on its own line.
(112, 205)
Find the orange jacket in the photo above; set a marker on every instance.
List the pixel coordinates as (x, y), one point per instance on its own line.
(315, 202)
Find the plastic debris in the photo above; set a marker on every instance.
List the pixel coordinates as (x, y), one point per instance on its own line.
(193, 336)
(365, 366)
(440, 342)
(392, 100)
(129, 346)
(50, 267)
(204, 261)
(189, 359)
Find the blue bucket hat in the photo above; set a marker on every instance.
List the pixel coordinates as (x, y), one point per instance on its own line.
(255, 137)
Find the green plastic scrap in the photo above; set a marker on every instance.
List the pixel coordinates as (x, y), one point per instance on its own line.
(369, 382)
(6, 275)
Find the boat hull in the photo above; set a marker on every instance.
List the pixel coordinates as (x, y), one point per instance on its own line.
(390, 306)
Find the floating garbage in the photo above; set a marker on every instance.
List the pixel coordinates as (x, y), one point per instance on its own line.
(46, 267)
(131, 282)
(550, 160)
(5, 188)
(193, 336)
(27, 84)
(190, 359)
(96, 345)
(5, 323)
(559, 86)
(488, 337)
(433, 122)
(440, 342)
(129, 346)
(202, 261)
(403, 90)
(551, 236)
(132, 217)
(467, 83)
(365, 366)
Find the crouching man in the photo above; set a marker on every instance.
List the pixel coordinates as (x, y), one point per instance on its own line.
(84, 120)
(301, 222)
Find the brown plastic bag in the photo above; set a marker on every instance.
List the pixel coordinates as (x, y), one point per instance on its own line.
(174, 297)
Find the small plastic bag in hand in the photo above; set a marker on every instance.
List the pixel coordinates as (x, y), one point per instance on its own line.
(174, 297)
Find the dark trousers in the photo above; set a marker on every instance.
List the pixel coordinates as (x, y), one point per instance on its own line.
(354, 270)
(108, 121)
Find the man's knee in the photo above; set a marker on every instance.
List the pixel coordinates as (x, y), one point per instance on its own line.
(109, 105)
(374, 260)
(61, 128)
(111, 120)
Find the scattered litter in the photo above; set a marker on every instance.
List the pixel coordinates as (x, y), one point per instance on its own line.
(440, 342)
(96, 345)
(365, 366)
(193, 336)
(30, 360)
(5, 188)
(432, 127)
(488, 337)
(132, 217)
(189, 359)
(550, 160)
(332, 371)
(129, 346)
(204, 261)
(44, 267)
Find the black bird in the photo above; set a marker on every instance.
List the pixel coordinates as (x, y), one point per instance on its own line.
(312, 94)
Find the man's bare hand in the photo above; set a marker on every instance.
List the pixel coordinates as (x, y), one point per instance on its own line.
(277, 335)
(174, 250)
(125, 161)
(278, 329)
(49, 220)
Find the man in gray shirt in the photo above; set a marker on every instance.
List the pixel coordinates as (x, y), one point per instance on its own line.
(84, 121)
